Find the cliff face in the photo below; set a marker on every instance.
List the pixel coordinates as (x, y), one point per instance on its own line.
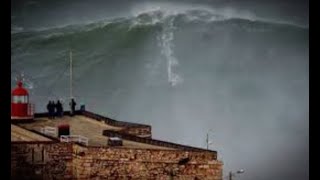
(55, 160)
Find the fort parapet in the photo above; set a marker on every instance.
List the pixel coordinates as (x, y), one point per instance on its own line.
(35, 155)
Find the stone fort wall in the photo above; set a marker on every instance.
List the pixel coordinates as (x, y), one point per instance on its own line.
(134, 129)
(54, 160)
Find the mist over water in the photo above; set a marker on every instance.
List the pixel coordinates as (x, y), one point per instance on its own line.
(184, 70)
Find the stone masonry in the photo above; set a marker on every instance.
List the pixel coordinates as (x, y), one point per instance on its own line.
(55, 160)
(47, 158)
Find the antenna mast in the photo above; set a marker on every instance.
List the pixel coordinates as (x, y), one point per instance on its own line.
(71, 90)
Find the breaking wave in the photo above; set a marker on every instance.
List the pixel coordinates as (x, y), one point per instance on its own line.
(162, 24)
(153, 39)
(181, 70)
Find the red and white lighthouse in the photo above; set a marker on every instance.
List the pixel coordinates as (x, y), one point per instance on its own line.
(21, 109)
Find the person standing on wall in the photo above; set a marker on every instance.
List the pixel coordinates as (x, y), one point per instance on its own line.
(72, 107)
(49, 105)
(50, 108)
(53, 109)
(59, 109)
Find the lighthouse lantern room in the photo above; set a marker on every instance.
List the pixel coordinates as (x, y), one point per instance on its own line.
(21, 109)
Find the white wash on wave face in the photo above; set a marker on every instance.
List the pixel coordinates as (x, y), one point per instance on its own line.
(165, 38)
(166, 43)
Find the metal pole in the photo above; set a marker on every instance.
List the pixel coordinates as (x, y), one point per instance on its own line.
(207, 140)
(71, 92)
(230, 175)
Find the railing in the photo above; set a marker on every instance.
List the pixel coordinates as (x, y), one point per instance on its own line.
(113, 122)
(51, 131)
(31, 109)
(74, 138)
(111, 133)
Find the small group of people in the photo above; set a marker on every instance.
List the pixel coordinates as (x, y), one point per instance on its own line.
(55, 109)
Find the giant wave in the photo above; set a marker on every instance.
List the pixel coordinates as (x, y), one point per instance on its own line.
(153, 40)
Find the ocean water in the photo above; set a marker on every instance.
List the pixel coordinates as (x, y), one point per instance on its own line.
(183, 72)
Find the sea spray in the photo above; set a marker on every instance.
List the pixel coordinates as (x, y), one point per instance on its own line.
(166, 42)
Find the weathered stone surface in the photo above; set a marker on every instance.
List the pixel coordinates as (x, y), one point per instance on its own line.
(71, 161)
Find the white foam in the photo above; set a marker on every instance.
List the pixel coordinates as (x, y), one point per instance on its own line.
(169, 9)
(166, 43)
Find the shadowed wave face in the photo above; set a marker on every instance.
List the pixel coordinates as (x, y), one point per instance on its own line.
(184, 72)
